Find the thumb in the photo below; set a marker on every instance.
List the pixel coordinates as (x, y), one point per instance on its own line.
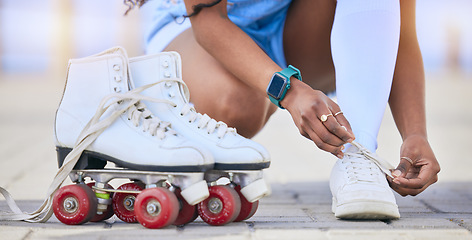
(403, 167)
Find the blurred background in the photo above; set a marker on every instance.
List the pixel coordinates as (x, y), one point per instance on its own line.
(38, 37)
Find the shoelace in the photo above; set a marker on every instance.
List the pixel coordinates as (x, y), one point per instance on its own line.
(204, 121)
(382, 164)
(150, 123)
(124, 102)
(359, 169)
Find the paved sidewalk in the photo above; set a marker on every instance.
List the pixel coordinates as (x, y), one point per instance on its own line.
(294, 211)
(299, 207)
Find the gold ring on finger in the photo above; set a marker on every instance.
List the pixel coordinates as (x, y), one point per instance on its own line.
(324, 117)
(408, 159)
(336, 114)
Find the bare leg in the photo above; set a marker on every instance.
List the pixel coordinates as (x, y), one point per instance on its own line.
(311, 52)
(217, 92)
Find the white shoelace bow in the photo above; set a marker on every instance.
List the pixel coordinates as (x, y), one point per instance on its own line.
(204, 121)
(123, 102)
(361, 169)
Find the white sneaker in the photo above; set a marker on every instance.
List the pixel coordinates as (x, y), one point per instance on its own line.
(359, 187)
(135, 138)
(230, 150)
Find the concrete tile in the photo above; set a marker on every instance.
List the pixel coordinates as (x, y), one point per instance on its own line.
(447, 206)
(463, 222)
(14, 233)
(322, 222)
(201, 227)
(275, 219)
(280, 211)
(423, 223)
(299, 234)
(342, 234)
(328, 221)
(411, 204)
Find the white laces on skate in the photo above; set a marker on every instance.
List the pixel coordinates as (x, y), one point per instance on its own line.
(204, 121)
(365, 170)
(123, 102)
(150, 123)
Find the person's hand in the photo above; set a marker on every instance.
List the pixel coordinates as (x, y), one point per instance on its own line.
(307, 107)
(411, 178)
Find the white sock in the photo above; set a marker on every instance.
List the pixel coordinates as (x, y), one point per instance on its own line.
(364, 43)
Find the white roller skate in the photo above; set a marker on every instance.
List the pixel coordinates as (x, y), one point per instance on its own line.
(98, 121)
(236, 158)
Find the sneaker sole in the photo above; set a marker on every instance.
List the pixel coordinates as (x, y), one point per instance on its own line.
(367, 210)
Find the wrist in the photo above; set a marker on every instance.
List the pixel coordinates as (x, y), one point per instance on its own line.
(415, 138)
(414, 133)
(291, 94)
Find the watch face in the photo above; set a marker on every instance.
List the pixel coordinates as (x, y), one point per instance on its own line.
(276, 86)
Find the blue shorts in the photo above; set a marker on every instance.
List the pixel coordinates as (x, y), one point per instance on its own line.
(262, 20)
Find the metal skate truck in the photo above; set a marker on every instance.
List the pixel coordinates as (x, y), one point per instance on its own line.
(135, 114)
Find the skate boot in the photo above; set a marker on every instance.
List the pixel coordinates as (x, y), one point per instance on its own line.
(237, 159)
(359, 187)
(124, 132)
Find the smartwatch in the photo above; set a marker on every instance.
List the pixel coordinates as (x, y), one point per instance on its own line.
(280, 84)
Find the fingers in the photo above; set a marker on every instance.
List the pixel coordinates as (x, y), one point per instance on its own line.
(328, 135)
(335, 128)
(411, 187)
(341, 119)
(407, 191)
(426, 176)
(335, 150)
(314, 117)
(404, 185)
(332, 129)
(403, 167)
(320, 135)
(336, 122)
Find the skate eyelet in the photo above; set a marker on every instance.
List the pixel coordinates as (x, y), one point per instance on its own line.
(165, 64)
(181, 114)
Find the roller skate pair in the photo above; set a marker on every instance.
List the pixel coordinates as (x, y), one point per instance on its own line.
(136, 114)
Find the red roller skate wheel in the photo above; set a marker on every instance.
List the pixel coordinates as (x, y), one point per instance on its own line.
(187, 212)
(107, 213)
(221, 207)
(156, 207)
(248, 209)
(123, 203)
(74, 204)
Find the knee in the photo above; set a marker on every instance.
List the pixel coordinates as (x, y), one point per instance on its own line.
(248, 116)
